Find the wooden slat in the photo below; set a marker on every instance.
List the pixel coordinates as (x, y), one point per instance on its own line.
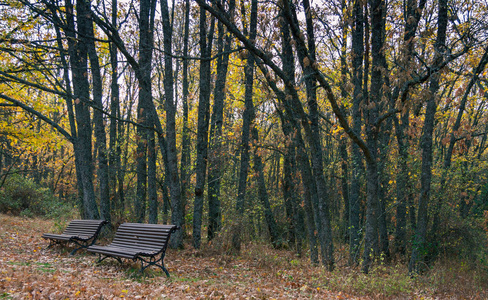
(79, 229)
(132, 239)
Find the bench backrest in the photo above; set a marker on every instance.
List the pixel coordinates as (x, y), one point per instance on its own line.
(147, 236)
(84, 227)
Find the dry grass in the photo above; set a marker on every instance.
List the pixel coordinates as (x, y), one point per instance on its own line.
(29, 271)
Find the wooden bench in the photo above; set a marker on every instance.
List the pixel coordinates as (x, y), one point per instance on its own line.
(83, 233)
(136, 241)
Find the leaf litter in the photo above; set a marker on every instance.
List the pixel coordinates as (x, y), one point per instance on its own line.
(30, 270)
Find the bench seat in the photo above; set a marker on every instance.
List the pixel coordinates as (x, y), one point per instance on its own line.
(144, 242)
(65, 237)
(83, 233)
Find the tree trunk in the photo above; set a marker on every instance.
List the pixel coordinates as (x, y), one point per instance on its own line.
(145, 100)
(247, 119)
(124, 134)
(357, 162)
(215, 161)
(263, 193)
(114, 140)
(344, 156)
(426, 144)
(313, 136)
(100, 135)
(412, 18)
(185, 162)
(294, 211)
(291, 130)
(311, 197)
(373, 209)
(67, 81)
(402, 184)
(384, 138)
(151, 175)
(83, 146)
(203, 122)
(177, 205)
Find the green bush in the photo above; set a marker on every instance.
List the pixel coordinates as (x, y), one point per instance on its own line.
(21, 196)
(459, 239)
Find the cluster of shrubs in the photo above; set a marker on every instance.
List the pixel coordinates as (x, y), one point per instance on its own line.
(21, 196)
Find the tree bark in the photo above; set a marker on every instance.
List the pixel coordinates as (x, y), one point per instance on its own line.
(152, 191)
(146, 27)
(171, 153)
(100, 135)
(290, 169)
(216, 161)
(185, 162)
(357, 161)
(246, 129)
(276, 239)
(412, 19)
(402, 183)
(306, 58)
(373, 211)
(83, 146)
(114, 155)
(344, 156)
(170, 107)
(67, 83)
(426, 144)
(294, 212)
(203, 123)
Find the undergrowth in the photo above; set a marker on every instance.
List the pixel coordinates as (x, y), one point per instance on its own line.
(451, 278)
(20, 196)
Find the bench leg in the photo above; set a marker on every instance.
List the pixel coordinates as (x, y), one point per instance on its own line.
(100, 259)
(76, 249)
(80, 244)
(53, 242)
(152, 262)
(165, 270)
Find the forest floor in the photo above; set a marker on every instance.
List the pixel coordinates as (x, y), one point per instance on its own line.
(30, 271)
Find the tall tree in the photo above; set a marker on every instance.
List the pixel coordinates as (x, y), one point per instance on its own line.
(185, 162)
(426, 141)
(276, 239)
(325, 230)
(177, 216)
(357, 162)
(78, 52)
(290, 166)
(203, 123)
(412, 16)
(59, 26)
(215, 169)
(145, 117)
(375, 96)
(100, 134)
(115, 130)
(141, 76)
(343, 141)
(246, 127)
